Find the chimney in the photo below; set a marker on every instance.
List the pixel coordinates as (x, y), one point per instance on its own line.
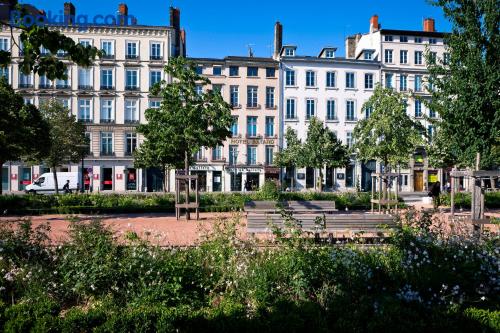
(183, 42)
(122, 14)
(175, 22)
(429, 25)
(69, 13)
(351, 43)
(374, 26)
(278, 39)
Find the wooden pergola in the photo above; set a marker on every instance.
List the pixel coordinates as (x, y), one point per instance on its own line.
(187, 205)
(386, 195)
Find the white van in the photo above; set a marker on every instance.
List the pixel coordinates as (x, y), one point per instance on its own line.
(45, 183)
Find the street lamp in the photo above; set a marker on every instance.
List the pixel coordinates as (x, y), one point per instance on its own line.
(83, 150)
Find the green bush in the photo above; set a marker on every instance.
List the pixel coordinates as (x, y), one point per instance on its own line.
(463, 199)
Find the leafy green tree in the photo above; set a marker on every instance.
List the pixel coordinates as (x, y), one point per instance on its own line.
(388, 135)
(291, 156)
(66, 135)
(466, 85)
(322, 148)
(186, 121)
(23, 132)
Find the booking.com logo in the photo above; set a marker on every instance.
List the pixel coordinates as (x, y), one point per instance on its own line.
(82, 21)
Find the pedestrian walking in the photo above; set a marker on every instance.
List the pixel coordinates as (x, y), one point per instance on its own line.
(435, 193)
(66, 188)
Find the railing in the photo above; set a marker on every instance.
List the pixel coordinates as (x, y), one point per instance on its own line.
(107, 88)
(107, 153)
(253, 106)
(108, 56)
(131, 57)
(63, 86)
(86, 121)
(153, 57)
(84, 87)
(131, 121)
(107, 121)
(44, 86)
(131, 88)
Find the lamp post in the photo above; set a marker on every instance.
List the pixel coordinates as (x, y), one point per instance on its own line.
(83, 150)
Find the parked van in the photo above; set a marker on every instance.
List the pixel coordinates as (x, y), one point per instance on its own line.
(45, 183)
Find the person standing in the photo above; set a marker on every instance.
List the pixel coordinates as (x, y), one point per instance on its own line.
(435, 193)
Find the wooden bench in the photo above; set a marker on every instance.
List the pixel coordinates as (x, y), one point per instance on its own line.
(347, 225)
(310, 206)
(260, 207)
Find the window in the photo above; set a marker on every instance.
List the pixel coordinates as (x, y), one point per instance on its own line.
(269, 126)
(310, 108)
(432, 57)
(349, 140)
(28, 100)
(251, 126)
(368, 111)
(290, 109)
(432, 41)
(330, 110)
(388, 80)
(84, 110)
(418, 82)
(251, 155)
(252, 71)
(199, 89)
(388, 38)
(430, 131)
(403, 82)
(155, 51)
(432, 113)
(446, 58)
(44, 82)
(349, 80)
(403, 56)
(310, 79)
(199, 69)
(269, 155)
(289, 52)
(368, 55)
(418, 109)
(200, 155)
(270, 72)
(107, 114)
(234, 127)
(130, 143)
(64, 83)
(131, 79)
(418, 39)
(4, 72)
(290, 77)
(330, 54)
(251, 96)
(233, 155)
(234, 70)
(330, 79)
(154, 104)
(217, 153)
(4, 44)
(234, 96)
(217, 88)
(388, 56)
(418, 57)
(154, 77)
(64, 102)
(403, 39)
(106, 143)
(131, 114)
(84, 78)
(85, 42)
(106, 79)
(25, 80)
(405, 105)
(269, 97)
(108, 49)
(217, 70)
(131, 52)
(368, 81)
(350, 111)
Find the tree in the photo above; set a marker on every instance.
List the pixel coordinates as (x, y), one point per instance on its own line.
(66, 135)
(23, 132)
(186, 121)
(388, 134)
(466, 85)
(322, 148)
(291, 156)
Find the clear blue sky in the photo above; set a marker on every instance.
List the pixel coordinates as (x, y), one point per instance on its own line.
(225, 27)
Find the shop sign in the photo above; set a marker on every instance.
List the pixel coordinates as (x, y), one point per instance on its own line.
(203, 168)
(251, 141)
(244, 170)
(301, 175)
(433, 178)
(272, 170)
(340, 176)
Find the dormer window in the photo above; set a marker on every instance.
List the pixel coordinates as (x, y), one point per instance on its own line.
(289, 52)
(368, 55)
(329, 54)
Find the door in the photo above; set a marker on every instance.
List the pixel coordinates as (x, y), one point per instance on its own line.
(217, 181)
(366, 175)
(330, 172)
(418, 181)
(107, 179)
(309, 177)
(5, 179)
(25, 178)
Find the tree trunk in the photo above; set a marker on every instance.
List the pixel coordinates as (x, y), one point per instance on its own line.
(320, 185)
(1, 176)
(54, 172)
(188, 183)
(165, 176)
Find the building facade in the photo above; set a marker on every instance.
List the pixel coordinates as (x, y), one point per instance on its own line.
(109, 97)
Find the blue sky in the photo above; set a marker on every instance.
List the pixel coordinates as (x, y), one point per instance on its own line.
(227, 27)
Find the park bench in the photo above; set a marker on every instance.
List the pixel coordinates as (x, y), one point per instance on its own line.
(260, 207)
(310, 206)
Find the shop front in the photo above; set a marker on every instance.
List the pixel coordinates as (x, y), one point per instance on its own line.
(245, 178)
(210, 178)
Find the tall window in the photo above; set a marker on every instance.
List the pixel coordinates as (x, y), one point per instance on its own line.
(25, 80)
(234, 70)
(217, 153)
(432, 113)
(418, 109)
(4, 44)
(199, 89)
(251, 155)
(131, 113)
(85, 42)
(290, 77)
(430, 131)
(269, 97)
(418, 82)
(388, 56)
(234, 95)
(106, 79)
(217, 88)
(107, 114)
(84, 78)
(252, 71)
(131, 52)
(310, 79)
(349, 140)
(199, 69)
(106, 143)
(217, 70)
(64, 83)
(269, 126)
(107, 48)
(368, 55)
(131, 79)
(403, 82)
(330, 79)
(131, 143)
(233, 155)
(270, 72)
(446, 58)
(156, 51)
(403, 56)
(349, 80)
(330, 110)
(251, 126)
(269, 155)
(84, 110)
(234, 127)
(368, 111)
(310, 108)
(290, 109)
(368, 81)
(154, 77)
(350, 111)
(44, 82)
(388, 80)
(418, 57)
(432, 57)
(251, 96)
(4, 72)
